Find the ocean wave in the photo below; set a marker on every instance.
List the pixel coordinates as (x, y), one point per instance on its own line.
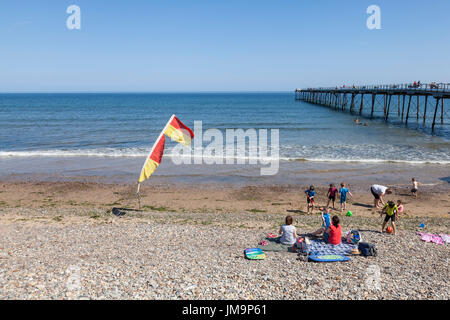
(143, 153)
(443, 162)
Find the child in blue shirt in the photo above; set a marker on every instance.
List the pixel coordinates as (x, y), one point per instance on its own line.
(310, 193)
(343, 192)
(325, 222)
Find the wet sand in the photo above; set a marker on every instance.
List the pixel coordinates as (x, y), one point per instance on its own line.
(277, 199)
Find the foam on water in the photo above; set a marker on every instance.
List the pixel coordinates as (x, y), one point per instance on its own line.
(284, 156)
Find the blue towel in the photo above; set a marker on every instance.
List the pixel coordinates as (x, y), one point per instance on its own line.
(319, 247)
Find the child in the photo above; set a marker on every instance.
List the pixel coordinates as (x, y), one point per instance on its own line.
(400, 207)
(391, 212)
(343, 193)
(310, 193)
(414, 188)
(288, 232)
(325, 222)
(332, 195)
(333, 234)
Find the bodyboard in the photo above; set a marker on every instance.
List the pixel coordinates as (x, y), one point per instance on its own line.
(254, 254)
(328, 258)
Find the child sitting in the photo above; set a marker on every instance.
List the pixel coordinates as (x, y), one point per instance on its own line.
(325, 222)
(288, 232)
(333, 234)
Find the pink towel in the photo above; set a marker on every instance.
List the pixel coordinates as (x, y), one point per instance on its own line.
(445, 237)
(428, 237)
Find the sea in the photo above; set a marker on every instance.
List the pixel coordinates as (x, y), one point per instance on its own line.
(109, 136)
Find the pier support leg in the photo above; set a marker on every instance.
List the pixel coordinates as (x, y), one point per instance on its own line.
(409, 105)
(418, 106)
(361, 107)
(389, 107)
(435, 113)
(403, 108)
(352, 103)
(373, 105)
(425, 110)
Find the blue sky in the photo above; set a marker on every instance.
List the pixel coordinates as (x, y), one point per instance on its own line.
(220, 45)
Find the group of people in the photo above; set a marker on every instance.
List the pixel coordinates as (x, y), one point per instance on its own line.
(331, 229)
(356, 121)
(332, 194)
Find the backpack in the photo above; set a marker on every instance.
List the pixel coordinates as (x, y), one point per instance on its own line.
(354, 237)
(367, 249)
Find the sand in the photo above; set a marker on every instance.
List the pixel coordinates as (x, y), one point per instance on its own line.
(281, 199)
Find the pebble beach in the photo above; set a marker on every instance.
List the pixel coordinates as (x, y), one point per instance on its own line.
(92, 254)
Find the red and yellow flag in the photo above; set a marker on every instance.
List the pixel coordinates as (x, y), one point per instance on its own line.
(153, 160)
(177, 131)
(174, 129)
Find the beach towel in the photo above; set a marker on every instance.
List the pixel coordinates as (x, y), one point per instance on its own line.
(320, 247)
(316, 247)
(273, 245)
(429, 237)
(445, 237)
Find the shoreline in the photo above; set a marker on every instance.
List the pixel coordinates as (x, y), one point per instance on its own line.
(122, 170)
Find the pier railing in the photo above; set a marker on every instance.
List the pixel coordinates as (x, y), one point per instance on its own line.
(433, 87)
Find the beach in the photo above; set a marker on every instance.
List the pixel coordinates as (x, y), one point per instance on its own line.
(88, 240)
(72, 226)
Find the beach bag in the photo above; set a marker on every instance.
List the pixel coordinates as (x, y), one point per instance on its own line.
(354, 237)
(367, 249)
(302, 245)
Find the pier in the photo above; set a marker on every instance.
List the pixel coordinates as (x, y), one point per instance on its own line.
(424, 102)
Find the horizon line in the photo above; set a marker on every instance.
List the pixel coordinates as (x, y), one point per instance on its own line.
(146, 92)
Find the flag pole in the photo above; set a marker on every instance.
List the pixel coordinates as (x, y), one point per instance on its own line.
(138, 194)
